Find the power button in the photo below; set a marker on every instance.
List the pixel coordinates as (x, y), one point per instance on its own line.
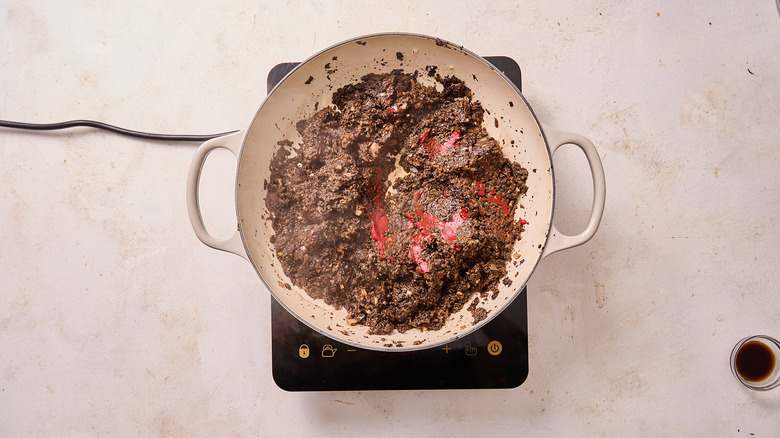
(494, 348)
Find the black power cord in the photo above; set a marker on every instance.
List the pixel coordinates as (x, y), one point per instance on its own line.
(107, 127)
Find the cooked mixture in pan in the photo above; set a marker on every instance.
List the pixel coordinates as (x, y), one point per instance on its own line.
(396, 205)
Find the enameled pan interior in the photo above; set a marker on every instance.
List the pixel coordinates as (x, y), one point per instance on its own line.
(311, 86)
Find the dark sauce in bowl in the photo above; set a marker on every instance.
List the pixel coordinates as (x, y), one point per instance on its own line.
(755, 361)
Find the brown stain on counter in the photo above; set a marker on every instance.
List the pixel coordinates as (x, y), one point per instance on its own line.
(26, 17)
(601, 295)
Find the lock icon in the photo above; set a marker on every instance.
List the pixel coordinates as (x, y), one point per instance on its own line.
(303, 351)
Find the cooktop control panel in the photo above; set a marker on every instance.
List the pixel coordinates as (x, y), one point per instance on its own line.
(495, 356)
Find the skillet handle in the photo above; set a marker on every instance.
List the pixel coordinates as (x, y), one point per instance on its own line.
(557, 241)
(232, 244)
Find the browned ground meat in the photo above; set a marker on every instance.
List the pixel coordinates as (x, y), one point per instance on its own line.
(397, 252)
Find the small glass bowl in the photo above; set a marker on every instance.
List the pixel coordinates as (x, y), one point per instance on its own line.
(772, 380)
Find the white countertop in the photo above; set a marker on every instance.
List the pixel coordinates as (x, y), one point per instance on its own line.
(115, 320)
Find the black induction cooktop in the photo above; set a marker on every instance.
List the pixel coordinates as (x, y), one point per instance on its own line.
(496, 356)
